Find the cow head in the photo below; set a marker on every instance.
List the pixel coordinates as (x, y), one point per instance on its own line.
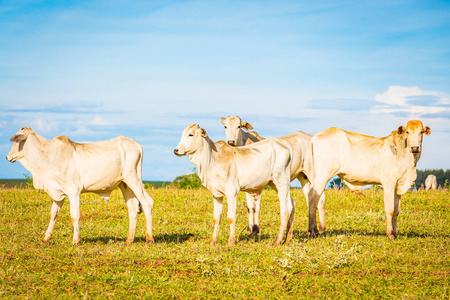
(233, 132)
(414, 131)
(190, 140)
(19, 139)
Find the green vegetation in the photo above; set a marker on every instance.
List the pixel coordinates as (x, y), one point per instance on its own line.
(353, 260)
(190, 181)
(441, 177)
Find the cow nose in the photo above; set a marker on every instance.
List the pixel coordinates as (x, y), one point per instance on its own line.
(175, 151)
(231, 143)
(415, 149)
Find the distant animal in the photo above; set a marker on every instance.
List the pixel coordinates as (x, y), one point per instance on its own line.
(64, 168)
(237, 134)
(225, 170)
(430, 182)
(361, 160)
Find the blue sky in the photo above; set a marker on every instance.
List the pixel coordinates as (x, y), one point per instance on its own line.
(94, 70)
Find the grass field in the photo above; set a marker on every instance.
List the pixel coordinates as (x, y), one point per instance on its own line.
(354, 259)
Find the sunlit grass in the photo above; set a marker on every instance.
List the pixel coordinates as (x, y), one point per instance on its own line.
(354, 259)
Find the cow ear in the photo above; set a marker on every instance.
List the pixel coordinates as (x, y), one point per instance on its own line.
(222, 120)
(246, 126)
(427, 130)
(203, 132)
(401, 130)
(18, 138)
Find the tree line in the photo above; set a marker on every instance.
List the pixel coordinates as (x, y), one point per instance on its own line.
(442, 177)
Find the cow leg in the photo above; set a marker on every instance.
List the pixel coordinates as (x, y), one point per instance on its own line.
(306, 187)
(321, 207)
(314, 196)
(290, 224)
(389, 208)
(396, 212)
(75, 217)
(253, 207)
(133, 209)
(255, 229)
(285, 209)
(251, 212)
(231, 199)
(217, 215)
(56, 208)
(147, 205)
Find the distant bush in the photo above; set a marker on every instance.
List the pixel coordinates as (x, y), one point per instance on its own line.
(29, 180)
(189, 181)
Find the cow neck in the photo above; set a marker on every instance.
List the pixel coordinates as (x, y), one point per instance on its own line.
(204, 156)
(243, 137)
(408, 166)
(36, 147)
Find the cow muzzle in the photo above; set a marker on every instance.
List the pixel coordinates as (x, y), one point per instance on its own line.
(177, 152)
(232, 143)
(10, 158)
(415, 149)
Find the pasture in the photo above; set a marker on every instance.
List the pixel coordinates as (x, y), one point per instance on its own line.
(354, 259)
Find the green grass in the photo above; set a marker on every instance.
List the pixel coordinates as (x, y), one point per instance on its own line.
(353, 260)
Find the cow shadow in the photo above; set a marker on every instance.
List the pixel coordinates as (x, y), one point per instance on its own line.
(359, 232)
(163, 238)
(298, 235)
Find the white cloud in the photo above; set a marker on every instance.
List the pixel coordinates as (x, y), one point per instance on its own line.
(412, 102)
(398, 95)
(99, 121)
(40, 125)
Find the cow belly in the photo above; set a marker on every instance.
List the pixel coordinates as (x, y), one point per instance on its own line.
(101, 175)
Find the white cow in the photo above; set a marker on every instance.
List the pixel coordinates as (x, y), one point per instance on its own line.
(63, 168)
(237, 135)
(225, 171)
(430, 182)
(361, 160)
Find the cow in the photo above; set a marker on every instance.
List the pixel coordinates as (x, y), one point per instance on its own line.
(238, 134)
(63, 168)
(430, 182)
(225, 170)
(360, 160)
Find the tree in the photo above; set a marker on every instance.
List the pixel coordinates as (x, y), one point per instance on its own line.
(187, 181)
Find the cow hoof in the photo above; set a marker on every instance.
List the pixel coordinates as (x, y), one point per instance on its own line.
(231, 241)
(149, 238)
(276, 243)
(128, 242)
(313, 233)
(391, 237)
(253, 232)
(213, 243)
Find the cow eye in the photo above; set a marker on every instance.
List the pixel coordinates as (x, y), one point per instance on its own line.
(225, 127)
(191, 134)
(407, 132)
(239, 127)
(421, 131)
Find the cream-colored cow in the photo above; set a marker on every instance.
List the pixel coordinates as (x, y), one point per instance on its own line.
(237, 135)
(361, 160)
(430, 182)
(225, 171)
(63, 168)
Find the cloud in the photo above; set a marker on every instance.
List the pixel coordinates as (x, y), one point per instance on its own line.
(59, 109)
(412, 102)
(99, 121)
(404, 96)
